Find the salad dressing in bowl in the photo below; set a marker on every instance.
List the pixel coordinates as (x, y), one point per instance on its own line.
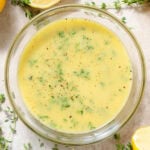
(75, 75)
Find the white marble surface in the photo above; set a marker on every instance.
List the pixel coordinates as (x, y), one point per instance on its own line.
(12, 19)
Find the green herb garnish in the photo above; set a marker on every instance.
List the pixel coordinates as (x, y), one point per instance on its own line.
(27, 146)
(90, 125)
(119, 145)
(117, 4)
(123, 19)
(103, 5)
(2, 98)
(55, 147)
(82, 73)
(61, 34)
(24, 4)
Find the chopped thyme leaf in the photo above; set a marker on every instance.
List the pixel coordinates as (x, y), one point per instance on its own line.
(64, 102)
(28, 13)
(90, 125)
(4, 143)
(27, 146)
(42, 144)
(124, 147)
(20, 2)
(43, 117)
(82, 73)
(41, 79)
(117, 5)
(88, 109)
(73, 32)
(2, 98)
(32, 62)
(93, 3)
(106, 42)
(81, 112)
(129, 2)
(120, 146)
(61, 34)
(65, 120)
(59, 72)
(30, 77)
(55, 147)
(102, 84)
(103, 5)
(13, 130)
(89, 47)
(117, 136)
(123, 19)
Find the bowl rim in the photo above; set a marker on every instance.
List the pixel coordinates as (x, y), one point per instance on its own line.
(139, 51)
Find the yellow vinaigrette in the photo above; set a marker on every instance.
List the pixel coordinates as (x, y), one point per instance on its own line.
(75, 75)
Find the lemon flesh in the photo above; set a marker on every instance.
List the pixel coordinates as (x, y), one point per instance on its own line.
(2, 4)
(43, 4)
(141, 139)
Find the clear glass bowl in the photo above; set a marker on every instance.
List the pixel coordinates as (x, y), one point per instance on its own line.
(93, 14)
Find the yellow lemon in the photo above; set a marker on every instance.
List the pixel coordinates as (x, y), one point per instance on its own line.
(141, 139)
(2, 4)
(43, 4)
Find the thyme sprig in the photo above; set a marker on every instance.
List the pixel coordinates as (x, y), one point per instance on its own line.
(121, 146)
(118, 4)
(11, 118)
(2, 98)
(24, 4)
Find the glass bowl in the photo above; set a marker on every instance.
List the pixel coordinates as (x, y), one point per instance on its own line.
(94, 14)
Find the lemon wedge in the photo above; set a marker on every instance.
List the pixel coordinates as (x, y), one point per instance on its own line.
(43, 4)
(2, 4)
(141, 139)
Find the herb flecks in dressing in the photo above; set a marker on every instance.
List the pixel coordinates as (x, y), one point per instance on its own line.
(75, 75)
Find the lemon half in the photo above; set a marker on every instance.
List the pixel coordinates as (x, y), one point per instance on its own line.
(43, 4)
(2, 4)
(141, 139)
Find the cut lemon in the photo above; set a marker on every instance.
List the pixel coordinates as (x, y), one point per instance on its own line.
(141, 139)
(2, 4)
(43, 4)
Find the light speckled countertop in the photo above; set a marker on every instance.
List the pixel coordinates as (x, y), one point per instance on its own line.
(12, 20)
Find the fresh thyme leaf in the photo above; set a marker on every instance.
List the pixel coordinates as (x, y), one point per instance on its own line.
(26, 1)
(103, 5)
(117, 5)
(11, 117)
(13, 130)
(4, 143)
(82, 73)
(42, 144)
(20, 2)
(1, 132)
(117, 136)
(124, 147)
(123, 19)
(55, 147)
(130, 2)
(93, 3)
(120, 146)
(27, 146)
(29, 12)
(2, 98)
